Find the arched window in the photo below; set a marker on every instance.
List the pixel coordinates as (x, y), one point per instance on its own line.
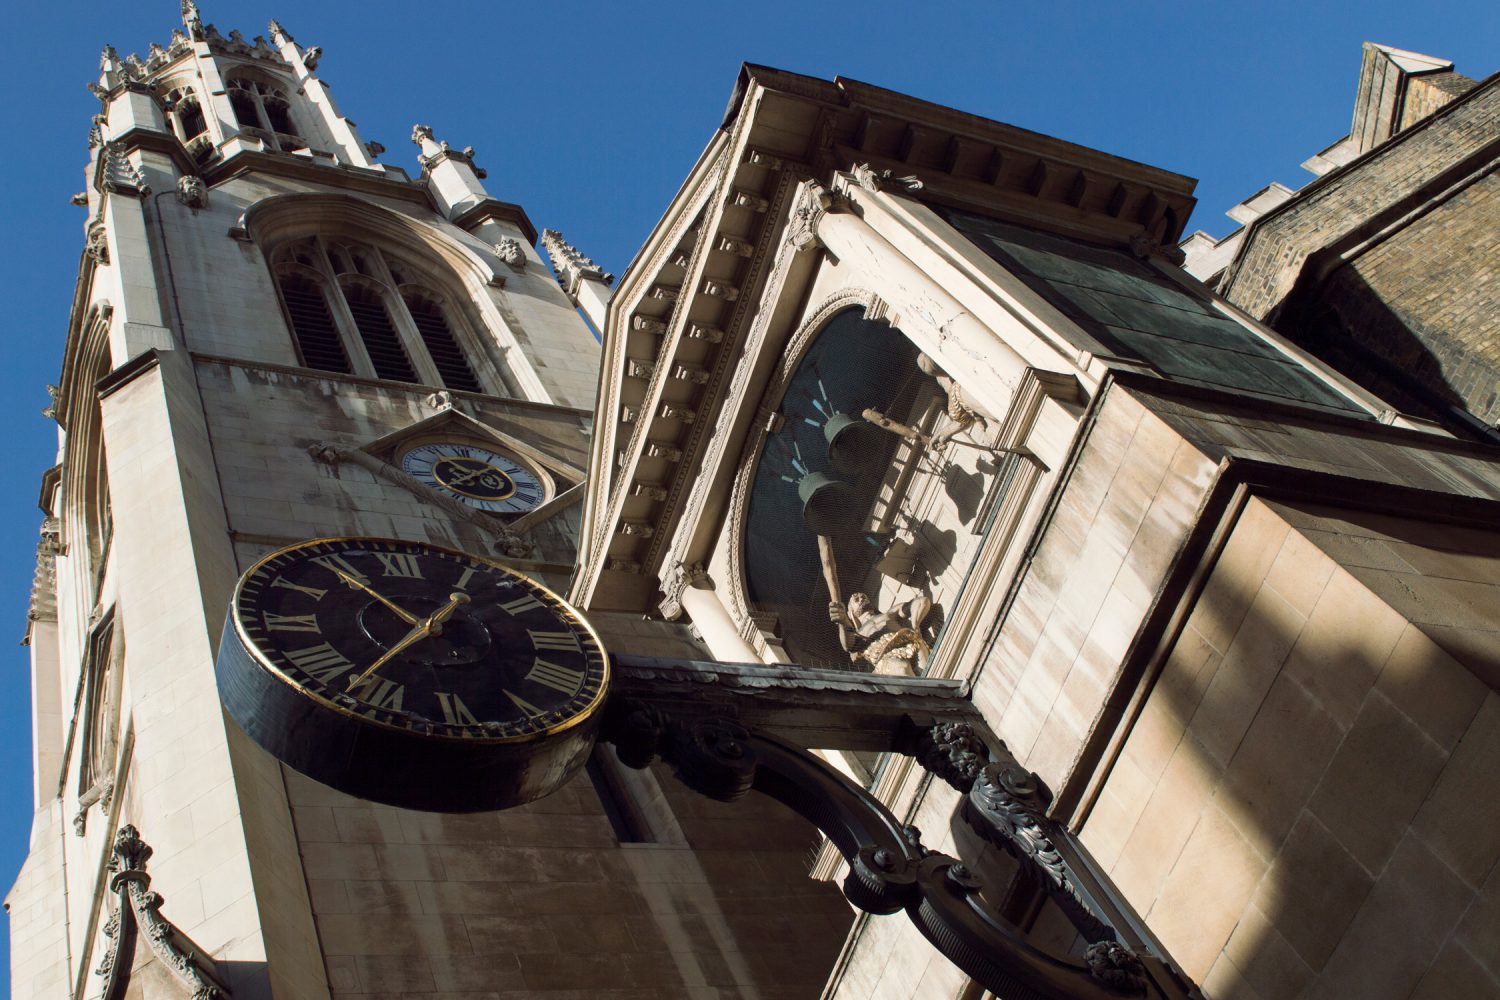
(355, 310)
(99, 710)
(263, 111)
(186, 118)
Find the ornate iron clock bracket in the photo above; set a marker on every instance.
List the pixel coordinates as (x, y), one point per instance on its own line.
(728, 728)
(139, 907)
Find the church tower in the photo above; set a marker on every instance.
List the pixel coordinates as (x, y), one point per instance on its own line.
(277, 337)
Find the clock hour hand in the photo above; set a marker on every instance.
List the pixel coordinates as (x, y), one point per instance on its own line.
(431, 625)
(468, 477)
(358, 584)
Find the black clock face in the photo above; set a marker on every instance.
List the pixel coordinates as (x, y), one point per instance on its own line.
(428, 640)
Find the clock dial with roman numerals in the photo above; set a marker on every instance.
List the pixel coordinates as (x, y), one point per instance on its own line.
(356, 659)
(476, 476)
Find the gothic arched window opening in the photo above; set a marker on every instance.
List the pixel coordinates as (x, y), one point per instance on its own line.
(98, 736)
(263, 111)
(187, 120)
(356, 311)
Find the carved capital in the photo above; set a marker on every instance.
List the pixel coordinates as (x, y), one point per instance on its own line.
(682, 576)
(813, 202)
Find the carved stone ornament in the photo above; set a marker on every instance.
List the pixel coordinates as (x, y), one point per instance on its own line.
(419, 133)
(1145, 248)
(814, 202)
(682, 577)
(96, 244)
(137, 907)
(192, 20)
(881, 180)
(192, 192)
(512, 252)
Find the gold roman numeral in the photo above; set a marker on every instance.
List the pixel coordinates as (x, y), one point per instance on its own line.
(555, 676)
(286, 584)
(521, 605)
(565, 641)
(523, 704)
(455, 712)
(463, 581)
(322, 661)
(400, 564)
(378, 692)
(341, 567)
(291, 623)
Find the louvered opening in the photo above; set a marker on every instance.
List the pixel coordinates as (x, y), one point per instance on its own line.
(442, 346)
(379, 335)
(312, 325)
(191, 118)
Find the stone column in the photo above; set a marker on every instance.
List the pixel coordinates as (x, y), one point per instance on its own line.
(690, 590)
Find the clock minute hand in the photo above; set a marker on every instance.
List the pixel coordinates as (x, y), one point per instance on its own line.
(431, 625)
(401, 612)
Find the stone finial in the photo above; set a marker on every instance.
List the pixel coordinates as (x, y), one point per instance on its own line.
(421, 134)
(192, 20)
(570, 265)
(274, 28)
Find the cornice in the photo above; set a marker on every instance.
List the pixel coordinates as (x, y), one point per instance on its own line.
(492, 208)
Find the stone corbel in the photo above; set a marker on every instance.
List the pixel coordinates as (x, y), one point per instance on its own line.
(871, 179)
(137, 907)
(1146, 248)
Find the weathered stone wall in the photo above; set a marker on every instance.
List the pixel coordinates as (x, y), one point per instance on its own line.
(541, 901)
(1303, 802)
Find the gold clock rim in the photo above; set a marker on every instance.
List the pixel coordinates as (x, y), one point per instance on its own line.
(265, 662)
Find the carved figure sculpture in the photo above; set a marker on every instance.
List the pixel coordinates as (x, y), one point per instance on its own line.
(890, 641)
(961, 415)
(192, 192)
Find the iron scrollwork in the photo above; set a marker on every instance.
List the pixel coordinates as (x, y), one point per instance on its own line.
(890, 869)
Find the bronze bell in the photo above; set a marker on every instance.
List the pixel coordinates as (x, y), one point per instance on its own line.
(829, 506)
(852, 442)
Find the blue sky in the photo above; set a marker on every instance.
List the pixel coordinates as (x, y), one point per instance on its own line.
(590, 114)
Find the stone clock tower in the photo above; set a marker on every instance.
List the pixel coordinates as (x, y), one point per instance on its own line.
(274, 338)
(1120, 631)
